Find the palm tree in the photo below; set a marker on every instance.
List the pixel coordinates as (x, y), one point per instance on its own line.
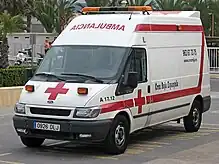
(26, 6)
(171, 5)
(64, 12)
(205, 7)
(15, 7)
(97, 2)
(11, 6)
(52, 14)
(8, 24)
(213, 8)
(44, 11)
(136, 2)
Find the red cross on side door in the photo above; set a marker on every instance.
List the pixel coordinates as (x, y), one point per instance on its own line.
(140, 107)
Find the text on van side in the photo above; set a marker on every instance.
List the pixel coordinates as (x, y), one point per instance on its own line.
(107, 98)
(189, 52)
(166, 85)
(107, 26)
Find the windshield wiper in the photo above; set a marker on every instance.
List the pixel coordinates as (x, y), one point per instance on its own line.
(83, 75)
(49, 74)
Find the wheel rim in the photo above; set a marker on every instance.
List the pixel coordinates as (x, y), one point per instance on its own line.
(196, 117)
(120, 135)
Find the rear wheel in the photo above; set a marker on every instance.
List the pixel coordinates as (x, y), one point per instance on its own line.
(118, 137)
(32, 142)
(192, 122)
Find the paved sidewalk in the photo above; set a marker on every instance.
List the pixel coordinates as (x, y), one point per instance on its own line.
(203, 154)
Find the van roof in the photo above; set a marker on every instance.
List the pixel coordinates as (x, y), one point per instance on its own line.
(119, 29)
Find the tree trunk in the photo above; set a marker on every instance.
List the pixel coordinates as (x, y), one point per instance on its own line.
(28, 22)
(4, 63)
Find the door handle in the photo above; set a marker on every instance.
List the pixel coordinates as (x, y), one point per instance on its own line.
(149, 89)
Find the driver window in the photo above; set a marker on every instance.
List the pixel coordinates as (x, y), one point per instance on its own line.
(138, 64)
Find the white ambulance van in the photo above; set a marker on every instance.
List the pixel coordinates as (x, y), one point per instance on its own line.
(113, 71)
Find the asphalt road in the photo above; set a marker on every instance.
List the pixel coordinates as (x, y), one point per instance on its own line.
(215, 84)
(147, 145)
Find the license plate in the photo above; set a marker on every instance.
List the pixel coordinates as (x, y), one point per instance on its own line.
(46, 126)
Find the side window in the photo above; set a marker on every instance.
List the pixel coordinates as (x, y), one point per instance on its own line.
(138, 64)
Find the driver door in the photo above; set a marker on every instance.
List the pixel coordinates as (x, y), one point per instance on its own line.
(135, 99)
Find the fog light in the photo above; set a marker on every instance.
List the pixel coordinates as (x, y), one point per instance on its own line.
(22, 131)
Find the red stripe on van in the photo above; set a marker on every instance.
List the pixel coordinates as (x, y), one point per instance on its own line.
(169, 95)
(129, 103)
(119, 105)
(202, 60)
(174, 94)
(191, 28)
(155, 27)
(165, 28)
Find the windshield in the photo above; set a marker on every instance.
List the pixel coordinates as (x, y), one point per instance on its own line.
(101, 62)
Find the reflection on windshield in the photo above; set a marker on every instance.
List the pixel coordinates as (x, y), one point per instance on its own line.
(97, 61)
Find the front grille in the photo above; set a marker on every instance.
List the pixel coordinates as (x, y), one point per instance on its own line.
(53, 112)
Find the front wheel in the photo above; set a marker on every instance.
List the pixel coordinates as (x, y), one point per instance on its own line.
(32, 142)
(192, 122)
(118, 137)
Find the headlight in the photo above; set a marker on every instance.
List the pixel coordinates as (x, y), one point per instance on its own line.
(19, 108)
(86, 112)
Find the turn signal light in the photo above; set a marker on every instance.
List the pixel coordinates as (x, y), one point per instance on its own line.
(139, 8)
(88, 9)
(82, 91)
(29, 88)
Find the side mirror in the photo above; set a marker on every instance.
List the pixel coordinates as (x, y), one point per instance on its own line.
(132, 80)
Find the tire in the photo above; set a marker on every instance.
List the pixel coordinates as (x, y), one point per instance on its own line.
(192, 122)
(121, 124)
(32, 142)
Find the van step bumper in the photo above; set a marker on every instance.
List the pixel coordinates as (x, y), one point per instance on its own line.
(95, 131)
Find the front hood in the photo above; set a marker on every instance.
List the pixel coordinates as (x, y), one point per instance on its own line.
(67, 96)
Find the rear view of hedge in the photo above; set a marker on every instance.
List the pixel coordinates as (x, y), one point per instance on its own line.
(16, 76)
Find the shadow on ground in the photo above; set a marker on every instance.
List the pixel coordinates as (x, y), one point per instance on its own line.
(142, 137)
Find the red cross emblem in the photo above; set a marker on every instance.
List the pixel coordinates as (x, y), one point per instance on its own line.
(139, 101)
(57, 90)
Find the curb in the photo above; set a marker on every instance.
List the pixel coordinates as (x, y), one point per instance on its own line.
(214, 76)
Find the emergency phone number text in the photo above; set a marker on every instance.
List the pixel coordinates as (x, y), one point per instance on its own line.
(192, 53)
(189, 52)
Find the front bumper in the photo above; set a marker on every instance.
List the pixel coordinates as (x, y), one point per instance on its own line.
(69, 130)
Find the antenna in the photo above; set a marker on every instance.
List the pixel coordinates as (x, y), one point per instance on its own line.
(130, 16)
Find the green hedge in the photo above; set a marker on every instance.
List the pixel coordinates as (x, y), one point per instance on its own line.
(15, 76)
(18, 66)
